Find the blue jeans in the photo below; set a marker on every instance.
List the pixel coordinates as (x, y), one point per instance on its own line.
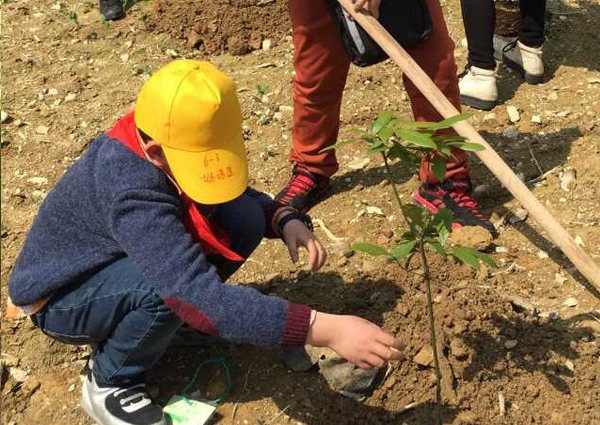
(117, 310)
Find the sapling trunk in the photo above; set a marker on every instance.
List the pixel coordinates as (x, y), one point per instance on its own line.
(427, 279)
(433, 339)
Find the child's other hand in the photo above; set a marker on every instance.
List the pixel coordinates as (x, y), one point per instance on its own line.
(357, 340)
(296, 234)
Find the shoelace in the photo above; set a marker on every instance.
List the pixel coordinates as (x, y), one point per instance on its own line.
(509, 46)
(145, 401)
(464, 200)
(299, 183)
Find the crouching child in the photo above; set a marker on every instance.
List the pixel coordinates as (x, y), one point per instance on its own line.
(140, 234)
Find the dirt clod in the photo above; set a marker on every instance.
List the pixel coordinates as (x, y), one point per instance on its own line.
(475, 237)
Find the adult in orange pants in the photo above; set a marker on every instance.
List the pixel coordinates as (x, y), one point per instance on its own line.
(321, 64)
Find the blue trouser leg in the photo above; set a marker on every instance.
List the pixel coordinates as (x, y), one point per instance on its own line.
(118, 310)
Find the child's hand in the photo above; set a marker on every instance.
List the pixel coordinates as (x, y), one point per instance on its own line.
(296, 234)
(371, 5)
(357, 340)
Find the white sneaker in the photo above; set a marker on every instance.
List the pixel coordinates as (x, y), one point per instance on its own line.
(526, 60)
(122, 405)
(478, 88)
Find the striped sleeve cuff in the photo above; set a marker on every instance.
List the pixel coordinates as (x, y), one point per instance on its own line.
(296, 327)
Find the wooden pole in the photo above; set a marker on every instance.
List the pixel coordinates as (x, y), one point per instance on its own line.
(489, 157)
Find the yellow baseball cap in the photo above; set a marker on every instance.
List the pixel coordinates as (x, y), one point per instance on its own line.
(191, 109)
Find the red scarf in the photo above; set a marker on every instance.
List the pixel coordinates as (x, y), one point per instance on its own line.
(212, 239)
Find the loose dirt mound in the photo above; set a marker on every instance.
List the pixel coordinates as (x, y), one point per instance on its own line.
(218, 26)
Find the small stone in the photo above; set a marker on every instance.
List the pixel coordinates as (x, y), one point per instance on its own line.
(382, 240)
(570, 302)
(402, 309)
(510, 344)
(458, 348)
(42, 129)
(511, 133)
(579, 241)
(513, 114)
(568, 179)
(267, 44)
(172, 53)
(4, 117)
(17, 374)
(424, 357)
(481, 190)
(542, 255)
(518, 216)
(501, 249)
(388, 233)
(124, 57)
(52, 92)
(359, 163)
(522, 305)
(536, 119)
(38, 181)
(532, 391)
(569, 364)
(70, 97)
(72, 387)
(553, 96)
(375, 211)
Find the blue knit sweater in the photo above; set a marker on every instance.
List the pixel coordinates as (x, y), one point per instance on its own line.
(112, 203)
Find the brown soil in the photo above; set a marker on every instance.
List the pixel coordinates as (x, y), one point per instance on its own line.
(504, 331)
(234, 26)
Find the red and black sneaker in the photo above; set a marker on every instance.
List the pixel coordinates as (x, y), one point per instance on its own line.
(455, 195)
(304, 190)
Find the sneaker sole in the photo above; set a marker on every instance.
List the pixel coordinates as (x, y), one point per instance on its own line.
(473, 102)
(422, 202)
(529, 78)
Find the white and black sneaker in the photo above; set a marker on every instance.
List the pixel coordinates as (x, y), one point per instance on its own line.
(119, 405)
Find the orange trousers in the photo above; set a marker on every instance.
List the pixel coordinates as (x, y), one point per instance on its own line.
(321, 64)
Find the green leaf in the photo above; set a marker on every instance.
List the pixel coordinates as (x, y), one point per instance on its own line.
(466, 255)
(449, 122)
(486, 259)
(397, 151)
(414, 214)
(438, 165)
(378, 147)
(369, 248)
(443, 223)
(338, 145)
(403, 249)
(436, 245)
(382, 120)
(470, 147)
(417, 138)
(385, 133)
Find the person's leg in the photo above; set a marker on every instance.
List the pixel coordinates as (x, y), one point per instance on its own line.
(321, 65)
(117, 310)
(112, 10)
(533, 19)
(479, 17)
(436, 57)
(526, 55)
(243, 220)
